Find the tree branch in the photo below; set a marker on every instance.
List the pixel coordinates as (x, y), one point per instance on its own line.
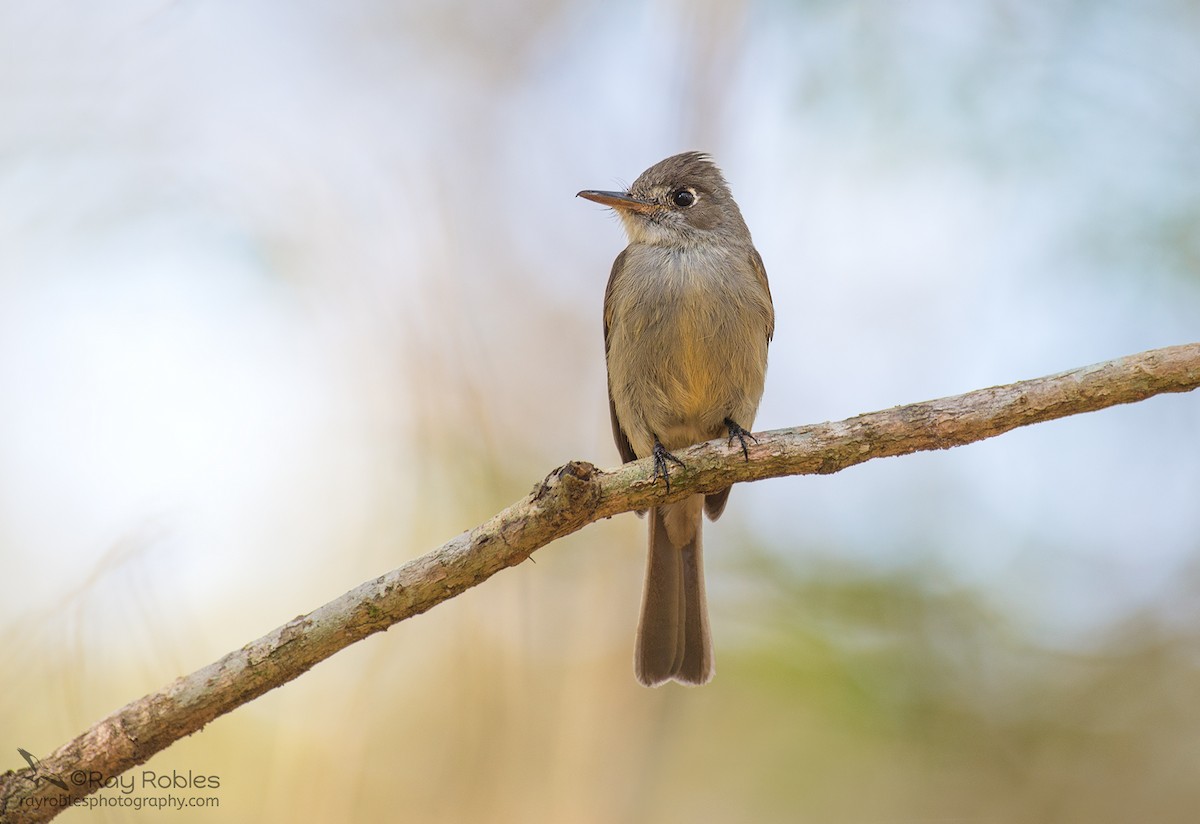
(567, 500)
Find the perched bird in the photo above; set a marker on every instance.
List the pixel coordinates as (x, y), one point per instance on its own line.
(687, 320)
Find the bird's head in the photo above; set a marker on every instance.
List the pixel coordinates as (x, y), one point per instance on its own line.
(680, 201)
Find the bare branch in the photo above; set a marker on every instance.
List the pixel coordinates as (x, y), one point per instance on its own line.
(568, 499)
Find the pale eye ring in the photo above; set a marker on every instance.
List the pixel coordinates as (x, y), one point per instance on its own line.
(683, 198)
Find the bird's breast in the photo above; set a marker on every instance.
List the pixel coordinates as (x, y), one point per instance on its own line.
(686, 346)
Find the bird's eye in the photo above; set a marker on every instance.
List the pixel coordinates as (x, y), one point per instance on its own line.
(683, 198)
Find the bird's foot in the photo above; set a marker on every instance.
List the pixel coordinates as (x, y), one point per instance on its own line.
(736, 431)
(662, 461)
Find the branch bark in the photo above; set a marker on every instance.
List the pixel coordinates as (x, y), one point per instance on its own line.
(567, 500)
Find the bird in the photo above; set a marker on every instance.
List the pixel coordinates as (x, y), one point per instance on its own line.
(688, 318)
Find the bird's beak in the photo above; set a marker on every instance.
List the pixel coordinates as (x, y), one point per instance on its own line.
(618, 200)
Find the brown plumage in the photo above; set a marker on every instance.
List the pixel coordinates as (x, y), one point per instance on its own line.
(687, 320)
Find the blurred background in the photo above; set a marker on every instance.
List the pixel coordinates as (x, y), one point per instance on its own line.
(291, 293)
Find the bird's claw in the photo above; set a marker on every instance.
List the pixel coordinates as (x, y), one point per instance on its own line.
(662, 461)
(736, 431)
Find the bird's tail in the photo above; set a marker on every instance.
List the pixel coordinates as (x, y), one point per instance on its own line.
(673, 640)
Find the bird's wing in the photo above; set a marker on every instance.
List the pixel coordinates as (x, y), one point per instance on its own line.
(760, 272)
(619, 436)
